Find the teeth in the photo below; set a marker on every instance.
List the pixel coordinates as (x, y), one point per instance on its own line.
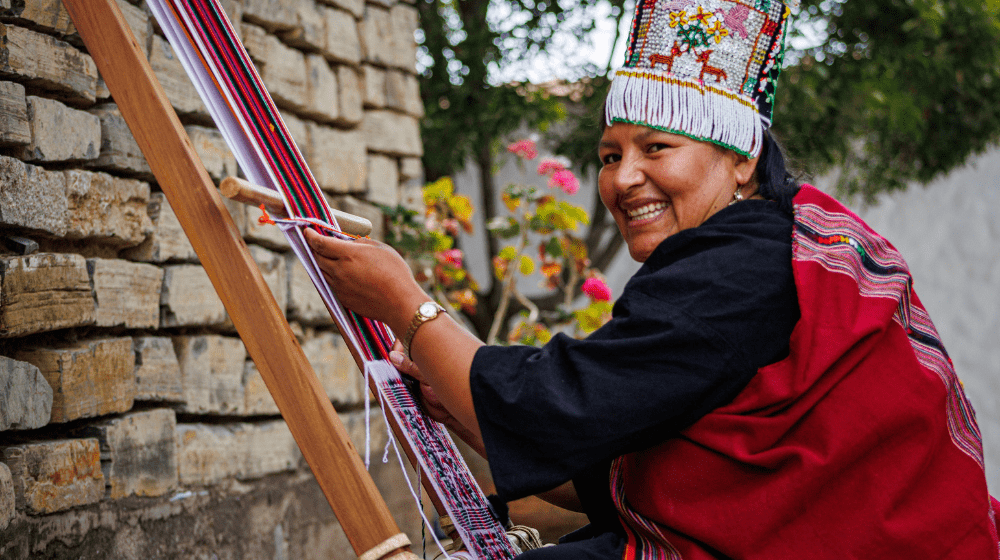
(646, 211)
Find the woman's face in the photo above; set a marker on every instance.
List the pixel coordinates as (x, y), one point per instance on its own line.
(656, 183)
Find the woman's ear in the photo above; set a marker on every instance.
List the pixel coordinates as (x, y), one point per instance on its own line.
(745, 168)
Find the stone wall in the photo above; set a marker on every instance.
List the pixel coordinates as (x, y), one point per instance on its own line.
(132, 424)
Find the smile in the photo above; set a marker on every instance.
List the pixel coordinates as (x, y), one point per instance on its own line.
(646, 211)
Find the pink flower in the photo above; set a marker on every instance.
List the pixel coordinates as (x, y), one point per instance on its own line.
(452, 257)
(596, 289)
(451, 226)
(549, 165)
(431, 222)
(565, 180)
(524, 148)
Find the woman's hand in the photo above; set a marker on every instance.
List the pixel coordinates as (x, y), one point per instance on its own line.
(432, 404)
(564, 496)
(428, 398)
(369, 277)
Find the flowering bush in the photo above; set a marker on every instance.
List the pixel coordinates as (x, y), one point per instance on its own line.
(550, 166)
(539, 232)
(430, 244)
(565, 180)
(591, 317)
(538, 219)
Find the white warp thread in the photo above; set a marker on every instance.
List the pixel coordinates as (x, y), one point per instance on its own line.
(368, 417)
(406, 477)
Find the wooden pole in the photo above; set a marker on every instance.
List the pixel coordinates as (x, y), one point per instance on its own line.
(245, 192)
(307, 410)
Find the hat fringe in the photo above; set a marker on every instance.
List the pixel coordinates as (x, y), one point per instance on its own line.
(686, 107)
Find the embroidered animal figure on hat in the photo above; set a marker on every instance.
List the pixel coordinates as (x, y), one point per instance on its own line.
(706, 68)
(658, 58)
(735, 18)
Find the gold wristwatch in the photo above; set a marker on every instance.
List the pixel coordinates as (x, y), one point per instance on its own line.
(427, 311)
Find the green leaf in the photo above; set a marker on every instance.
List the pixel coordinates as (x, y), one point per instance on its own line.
(526, 265)
(504, 228)
(575, 213)
(441, 242)
(553, 247)
(901, 92)
(507, 253)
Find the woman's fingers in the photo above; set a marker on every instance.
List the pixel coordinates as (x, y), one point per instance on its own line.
(332, 248)
(432, 404)
(368, 277)
(404, 364)
(327, 251)
(429, 399)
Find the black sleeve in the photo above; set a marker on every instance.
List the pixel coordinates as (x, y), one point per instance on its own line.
(709, 307)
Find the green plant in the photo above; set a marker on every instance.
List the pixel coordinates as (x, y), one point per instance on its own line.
(428, 241)
(538, 233)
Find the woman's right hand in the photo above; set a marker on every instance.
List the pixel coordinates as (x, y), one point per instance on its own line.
(369, 278)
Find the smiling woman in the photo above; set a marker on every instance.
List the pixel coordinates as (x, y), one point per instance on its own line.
(656, 183)
(769, 385)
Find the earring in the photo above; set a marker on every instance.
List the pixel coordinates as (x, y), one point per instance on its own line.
(737, 195)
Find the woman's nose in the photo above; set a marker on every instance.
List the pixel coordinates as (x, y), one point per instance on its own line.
(629, 173)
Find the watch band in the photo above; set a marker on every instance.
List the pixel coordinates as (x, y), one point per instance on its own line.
(427, 311)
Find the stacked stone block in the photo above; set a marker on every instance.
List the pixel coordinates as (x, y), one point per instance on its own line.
(125, 393)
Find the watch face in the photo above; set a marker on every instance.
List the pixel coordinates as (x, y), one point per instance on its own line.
(428, 309)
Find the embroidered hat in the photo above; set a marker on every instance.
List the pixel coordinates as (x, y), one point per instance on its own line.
(702, 68)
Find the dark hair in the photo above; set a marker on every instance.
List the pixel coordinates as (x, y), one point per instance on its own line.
(774, 181)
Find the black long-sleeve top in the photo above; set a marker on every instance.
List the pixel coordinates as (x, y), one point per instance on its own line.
(708, 308)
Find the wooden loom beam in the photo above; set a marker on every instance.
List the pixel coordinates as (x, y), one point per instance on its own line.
(247, 193)
(269, 340)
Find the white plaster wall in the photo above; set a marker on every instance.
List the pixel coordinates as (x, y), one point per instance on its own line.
(948, 233)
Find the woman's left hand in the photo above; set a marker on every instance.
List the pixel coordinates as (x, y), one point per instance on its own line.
(431, 403)
(428, 398)
(368, 277)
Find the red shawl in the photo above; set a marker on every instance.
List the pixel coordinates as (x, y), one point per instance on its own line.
(861, 444)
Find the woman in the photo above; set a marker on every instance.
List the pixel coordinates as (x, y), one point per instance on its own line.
(768, 386)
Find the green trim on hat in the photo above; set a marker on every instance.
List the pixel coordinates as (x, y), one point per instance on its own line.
(687, 134)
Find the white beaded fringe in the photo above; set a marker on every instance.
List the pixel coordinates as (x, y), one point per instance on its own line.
(699, 110)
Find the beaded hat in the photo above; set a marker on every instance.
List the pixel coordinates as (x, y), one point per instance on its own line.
(702, 68)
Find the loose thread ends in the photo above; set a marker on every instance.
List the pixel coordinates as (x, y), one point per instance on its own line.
(265, 218)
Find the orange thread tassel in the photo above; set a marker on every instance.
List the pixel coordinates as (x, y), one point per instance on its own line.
(264, 218)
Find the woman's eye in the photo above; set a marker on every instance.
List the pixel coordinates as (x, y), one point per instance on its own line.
(656, 147)
(608, 159)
